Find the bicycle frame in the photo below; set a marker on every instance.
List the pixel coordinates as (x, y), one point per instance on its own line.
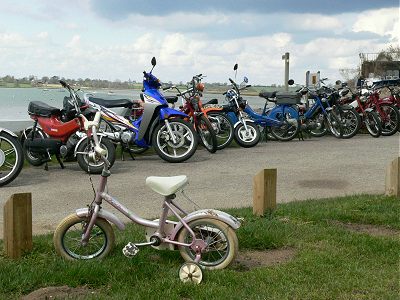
(168, 205)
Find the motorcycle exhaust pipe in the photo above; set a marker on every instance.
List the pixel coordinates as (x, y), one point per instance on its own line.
(43, 146)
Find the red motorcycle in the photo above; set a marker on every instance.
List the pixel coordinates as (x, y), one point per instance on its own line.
(369, 117)
(61, 133)
(388, 113)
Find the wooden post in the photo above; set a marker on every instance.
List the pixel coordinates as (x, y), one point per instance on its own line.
(392, 180)
(18, 225)
(264, 191)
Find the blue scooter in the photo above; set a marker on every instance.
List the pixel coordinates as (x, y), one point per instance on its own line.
(165, 129)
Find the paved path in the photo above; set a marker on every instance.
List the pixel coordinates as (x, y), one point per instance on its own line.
(314, 168)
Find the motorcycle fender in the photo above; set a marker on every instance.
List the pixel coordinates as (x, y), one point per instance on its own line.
(386, 101)
(167, 112)
(82, 139)
(231, 221)
(239, 122)
(346, 107)
(8, 131)
(369, 109)
(27, 130)
(104, 214)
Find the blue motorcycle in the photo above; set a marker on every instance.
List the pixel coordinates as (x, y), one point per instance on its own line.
(281, 121)
(321, 116)
(246, 132)
(165, 129)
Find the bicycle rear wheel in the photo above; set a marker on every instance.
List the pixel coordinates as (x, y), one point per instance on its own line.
(222, 243)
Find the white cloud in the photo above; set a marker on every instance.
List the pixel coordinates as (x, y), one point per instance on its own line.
(43, 35)
(74, 42)
(383, 22)
(315, 22)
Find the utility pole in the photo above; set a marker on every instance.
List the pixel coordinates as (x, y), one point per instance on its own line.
(285, 57)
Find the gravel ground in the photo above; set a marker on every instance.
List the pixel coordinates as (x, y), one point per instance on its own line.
(314, 168)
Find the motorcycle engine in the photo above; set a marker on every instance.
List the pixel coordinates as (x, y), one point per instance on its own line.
(127, 137)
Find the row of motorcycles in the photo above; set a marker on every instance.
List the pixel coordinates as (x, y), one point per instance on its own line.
(174, 130)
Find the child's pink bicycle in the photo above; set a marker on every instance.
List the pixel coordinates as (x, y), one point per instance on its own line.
(205, 238)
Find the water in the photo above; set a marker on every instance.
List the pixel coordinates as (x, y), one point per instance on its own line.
(14, 102)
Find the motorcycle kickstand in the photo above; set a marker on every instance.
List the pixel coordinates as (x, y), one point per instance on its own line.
(59, 161)
(122, 153)
(130, 153)
(300, 136)
(46, 166)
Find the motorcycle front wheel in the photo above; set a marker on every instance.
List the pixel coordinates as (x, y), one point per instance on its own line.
(373, 124)
(247, 138)
(86, 149)
(334, 124)
(11, 158)
(390, 119)
(178, 148)
(351, 122)
(68, 234)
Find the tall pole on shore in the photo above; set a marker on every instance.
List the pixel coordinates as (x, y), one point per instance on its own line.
(285, 57)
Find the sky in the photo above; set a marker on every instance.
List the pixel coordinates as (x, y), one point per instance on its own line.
(111, 40)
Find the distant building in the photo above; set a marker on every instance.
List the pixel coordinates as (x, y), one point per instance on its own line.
(379, 65)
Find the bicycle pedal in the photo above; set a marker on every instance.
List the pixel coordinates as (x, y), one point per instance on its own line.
(130, 250)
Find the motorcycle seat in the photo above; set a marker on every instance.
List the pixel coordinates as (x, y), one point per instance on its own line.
(42, 109)
(268, 95)
(112, 103)
(166, 185)
(171, 99)
(212, 101)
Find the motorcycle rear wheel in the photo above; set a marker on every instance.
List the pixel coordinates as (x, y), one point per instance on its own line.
(11, 158)
(224, 128)
(35, 159)
(207, 134)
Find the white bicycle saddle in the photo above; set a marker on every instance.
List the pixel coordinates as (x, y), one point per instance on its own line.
(166, 185)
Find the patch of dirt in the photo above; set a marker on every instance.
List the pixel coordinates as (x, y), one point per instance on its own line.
(327, 183)
(248, 260)
(373, 230)
(59, 292)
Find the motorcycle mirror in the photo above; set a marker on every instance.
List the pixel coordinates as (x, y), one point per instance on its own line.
(338, 82)
(245, 79)
(290, 82)
(235, 67)
(153, 61)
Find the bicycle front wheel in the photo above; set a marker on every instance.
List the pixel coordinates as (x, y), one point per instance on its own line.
(68, 234)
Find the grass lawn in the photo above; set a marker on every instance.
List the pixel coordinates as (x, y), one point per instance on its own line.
(331, 261)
